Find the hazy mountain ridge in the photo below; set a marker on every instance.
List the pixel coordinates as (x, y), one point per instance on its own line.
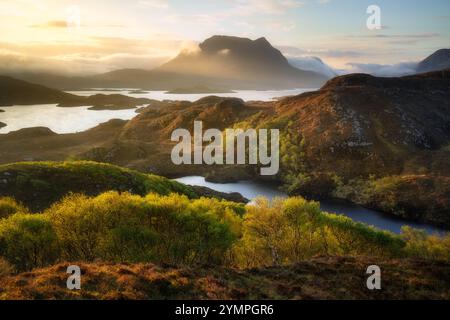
(439, 60)
(221, 61)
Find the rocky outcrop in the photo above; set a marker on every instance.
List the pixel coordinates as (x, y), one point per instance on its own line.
(207, 192)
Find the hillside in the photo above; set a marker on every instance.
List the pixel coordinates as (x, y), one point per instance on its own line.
(364, 139)
(39, 184)
(439, 60)
(19, 92)
(320, 278)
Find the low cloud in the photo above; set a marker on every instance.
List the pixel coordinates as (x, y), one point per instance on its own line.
(383, 70)
(312, 64)
(51, 24)
(95, 55)
(270, 7)
(322, 53)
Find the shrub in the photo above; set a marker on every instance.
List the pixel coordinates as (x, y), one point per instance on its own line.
(28, 241)
(420, 245)
(125, 227)
(6, 268)
(8, 207)
(290, 230)
(39, 184)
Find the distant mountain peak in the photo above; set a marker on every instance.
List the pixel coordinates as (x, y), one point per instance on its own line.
(439, 60)
(243, 61)
(217, 43)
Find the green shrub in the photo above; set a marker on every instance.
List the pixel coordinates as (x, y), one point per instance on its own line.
(421, 245)
(125, 227)
(289, 230)
(9, 206)
(40, 184)
(28, 241)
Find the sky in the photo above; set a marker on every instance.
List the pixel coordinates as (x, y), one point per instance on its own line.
(85, 36)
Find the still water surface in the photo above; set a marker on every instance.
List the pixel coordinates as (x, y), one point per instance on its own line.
(250, 190)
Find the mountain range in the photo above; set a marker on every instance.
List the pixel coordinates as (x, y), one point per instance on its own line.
(221, 62)
(227, 63)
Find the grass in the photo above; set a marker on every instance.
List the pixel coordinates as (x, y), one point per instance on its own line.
(319, 278)
(39, 184)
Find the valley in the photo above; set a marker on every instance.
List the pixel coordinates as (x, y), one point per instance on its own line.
(359, 138)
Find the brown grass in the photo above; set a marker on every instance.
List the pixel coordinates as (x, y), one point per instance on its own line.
(319, 278)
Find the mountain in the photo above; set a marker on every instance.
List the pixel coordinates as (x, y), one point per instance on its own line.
(220, 62)
(241, 60)
(439, 60)
(15, 91)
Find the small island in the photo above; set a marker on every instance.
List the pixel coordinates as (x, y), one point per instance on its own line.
(2, 125)
(2, 110)
(138, 92)
(198, 90)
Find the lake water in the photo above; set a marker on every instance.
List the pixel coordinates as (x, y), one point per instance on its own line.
(59, 120)
(70, 120)
(246, 95)
(250, 190)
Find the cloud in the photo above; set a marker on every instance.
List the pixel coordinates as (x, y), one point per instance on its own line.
(51, 24)
(322, 53)
(190, 47)
(383, 70)
(77, 63)
(405, 36)
(312, 64)
(155, 4)
(272, 7)
(92, 55)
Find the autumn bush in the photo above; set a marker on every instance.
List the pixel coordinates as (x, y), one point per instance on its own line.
(421, 245)
(173, 229)
(28, 241)
(9, 206)
(294, 229)
(122, 227)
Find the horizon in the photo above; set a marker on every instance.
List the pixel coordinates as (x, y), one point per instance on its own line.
(48, 35)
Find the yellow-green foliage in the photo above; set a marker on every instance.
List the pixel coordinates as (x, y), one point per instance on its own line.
(294, 229)
(39, 184)
(420, 245)
(28, 241)
(9, 206)
(122, 227)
